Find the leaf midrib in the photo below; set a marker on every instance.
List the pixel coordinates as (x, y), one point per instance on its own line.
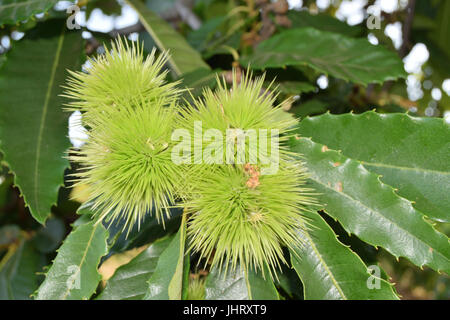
(83, 258)
(333, 279)
(43, 118)
(391, 166)
(378, 213)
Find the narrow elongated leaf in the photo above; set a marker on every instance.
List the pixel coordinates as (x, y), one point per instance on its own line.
(183, 57)
(350, 59)
(331, 271)
(13, 11)
(260, 288)
(168, 280)
(33, 126)
(178, 281)
(129, 282)
(370, 209)
(74, 273)
(235, 285)
(18, 278)
(441, 30)
(412, 154)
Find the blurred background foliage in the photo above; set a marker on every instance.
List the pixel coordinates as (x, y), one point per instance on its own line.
(223, 32)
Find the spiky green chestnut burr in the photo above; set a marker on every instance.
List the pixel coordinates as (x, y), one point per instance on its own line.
(120, 75)
(196, 289)
(243, 110)
(129, 110)
(126, 163)
(239, 217)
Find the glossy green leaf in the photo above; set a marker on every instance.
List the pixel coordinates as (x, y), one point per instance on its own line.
(160, 6)
(33, 126)
(74, 273)
(129, 282)
(331, 271)
(108, 7)
(323, 22)
(204, 37)
(18, 268)
(218, 35)
(235, 285)
(143, 233)
(371, 209)
(441, 31)
(13, 11)
(47, 239)
(150, 230)
(412, 154)
(168, 279)
(295, 87)
(308, 108)
(289, 284)
(183, 57)
(345, 58)
(200, 78)
(177, 283)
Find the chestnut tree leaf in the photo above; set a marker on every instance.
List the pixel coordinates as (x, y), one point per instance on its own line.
(13, 11)
(411, 153)
(33, 125)
(330, 270)
(74, 272)
(129, 282)
(18, 268)
(334, 54)
(183, 58)
(371, 209)
(169, 280)
(236, 285)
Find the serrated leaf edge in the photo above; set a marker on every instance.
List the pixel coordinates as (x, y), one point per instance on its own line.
(95, 226)
(383, 185)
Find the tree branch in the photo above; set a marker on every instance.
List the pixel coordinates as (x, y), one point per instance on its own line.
(407, 25)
